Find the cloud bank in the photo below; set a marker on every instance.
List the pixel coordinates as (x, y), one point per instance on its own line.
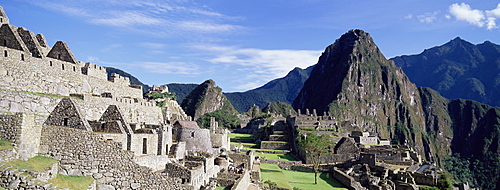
(476, 17)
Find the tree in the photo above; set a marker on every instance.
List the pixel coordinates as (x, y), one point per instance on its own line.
(315, 147)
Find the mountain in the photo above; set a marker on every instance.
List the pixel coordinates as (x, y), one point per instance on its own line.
(278, 90)
(358, 86)
(181, 90)
(362, 90)
(283, 89)
(133, 80)
(457, 69)
(206, 98)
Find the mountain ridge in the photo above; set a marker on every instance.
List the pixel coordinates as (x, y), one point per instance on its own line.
(457, 69)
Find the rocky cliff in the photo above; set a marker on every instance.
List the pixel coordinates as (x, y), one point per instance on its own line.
(206, 98)
(362, 90)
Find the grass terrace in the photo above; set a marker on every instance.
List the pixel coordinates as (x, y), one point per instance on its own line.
(284, 157)
(5, 144)
(238, 136)
(302, 180)
(37, 163)
(72, 182)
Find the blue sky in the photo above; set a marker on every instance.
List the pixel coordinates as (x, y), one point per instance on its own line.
(242, 45)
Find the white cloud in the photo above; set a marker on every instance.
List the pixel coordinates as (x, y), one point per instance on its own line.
(203, 26)
(151, 45)
(464, 12)
(480, 18)
(176, 17)
(181, 68)
(126, 19)
(428, 17)
(260, 65)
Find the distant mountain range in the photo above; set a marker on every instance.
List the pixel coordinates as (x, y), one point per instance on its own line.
(457, 69)
(283, 89)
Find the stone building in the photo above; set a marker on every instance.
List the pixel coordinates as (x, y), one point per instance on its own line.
(54, 105)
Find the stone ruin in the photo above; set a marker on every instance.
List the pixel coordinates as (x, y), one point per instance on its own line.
(54, 105)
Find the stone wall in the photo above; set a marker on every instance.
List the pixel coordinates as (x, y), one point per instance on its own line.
(346, 180)
(87, 154)
(10, 127)
(277, 145)
(20, 128)
(242, 160)
(154, 162)
(424, 179)
(92, 107)
(20, 71)
(243, 182)
(8, 155)
(11, 178)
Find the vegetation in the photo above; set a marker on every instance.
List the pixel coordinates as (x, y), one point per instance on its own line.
(239, 136)
(181, 90)
(285, 157)
(296, 180)
(161, 95)
(253, 111)
(481, 172)
(5, 144)
(315, 147)
(279, 108)
(42, 94)
(71, 182)
(37, 163)
(223, 117)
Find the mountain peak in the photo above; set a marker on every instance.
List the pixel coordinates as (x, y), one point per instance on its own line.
(352, 59)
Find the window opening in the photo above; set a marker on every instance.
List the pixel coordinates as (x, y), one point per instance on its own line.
(144, 145)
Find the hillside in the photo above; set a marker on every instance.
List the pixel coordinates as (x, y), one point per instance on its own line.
(181, 90)
(363, 90)
(206, 98)
(283, 89)
(457, 69)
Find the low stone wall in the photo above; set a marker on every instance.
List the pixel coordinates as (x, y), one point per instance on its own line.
(21, 129)
(346, 180)
(278, 138)
(11, 178)
(226, 179)
(155, 162)
(85, 153)
(8, 155)
(277, 145)
(243, 182)
(424, 179)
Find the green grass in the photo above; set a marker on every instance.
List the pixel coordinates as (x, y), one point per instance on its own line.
(284, 157)
(303, 180)
(5, 144)
(240, 136)
(37, 163)
(273, 172)
(71, 182)
(238, 144)
(42, 94)
(222, 188)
